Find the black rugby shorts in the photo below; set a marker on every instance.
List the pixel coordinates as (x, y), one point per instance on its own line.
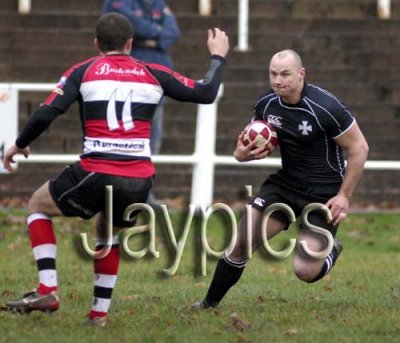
(277, 190)
(79, 193)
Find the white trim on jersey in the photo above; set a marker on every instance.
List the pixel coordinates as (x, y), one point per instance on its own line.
(104, 90)
(325, 110)
(127, 147)
(343, 132)
(340, 170)
(264, 97)
(310, 112)
(313, 114)
(266, 106)
(332, 96)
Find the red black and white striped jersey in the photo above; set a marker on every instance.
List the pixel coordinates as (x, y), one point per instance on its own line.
(117, 97)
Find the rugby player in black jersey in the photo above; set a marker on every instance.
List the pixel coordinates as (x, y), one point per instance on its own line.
(117, 98)
(314, 130)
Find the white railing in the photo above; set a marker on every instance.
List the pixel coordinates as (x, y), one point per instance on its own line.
(203, 160)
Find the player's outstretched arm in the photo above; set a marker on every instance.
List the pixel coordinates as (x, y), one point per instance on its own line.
(218, 42)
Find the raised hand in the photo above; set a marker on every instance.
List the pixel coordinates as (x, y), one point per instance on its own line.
(218, 42)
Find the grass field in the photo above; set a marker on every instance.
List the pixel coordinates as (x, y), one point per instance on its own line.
(358, 302)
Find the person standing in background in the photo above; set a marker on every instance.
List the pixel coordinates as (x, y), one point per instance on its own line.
(156, 30)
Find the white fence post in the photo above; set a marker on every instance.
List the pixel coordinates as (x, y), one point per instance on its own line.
(243, 26)
(9, 120)
(204, 152)
(24, 6)
(383, 7)
(205, 7)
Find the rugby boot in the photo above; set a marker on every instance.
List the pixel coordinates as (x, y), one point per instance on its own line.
(33, 301)
(96, 321)
(201, 305)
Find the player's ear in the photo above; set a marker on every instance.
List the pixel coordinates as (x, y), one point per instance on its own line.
(128, 46)
(302, 72)
(96, 43)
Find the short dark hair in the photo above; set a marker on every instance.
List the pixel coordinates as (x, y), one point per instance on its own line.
(112, 31)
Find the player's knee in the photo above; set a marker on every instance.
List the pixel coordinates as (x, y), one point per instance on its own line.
(239, 252)
(238, 255)
(306, 274)
(42, 202)
(33, 203)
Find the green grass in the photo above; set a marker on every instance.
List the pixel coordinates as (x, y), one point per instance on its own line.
(358, 302)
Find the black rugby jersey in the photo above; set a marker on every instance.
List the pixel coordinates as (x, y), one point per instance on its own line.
(306, 133)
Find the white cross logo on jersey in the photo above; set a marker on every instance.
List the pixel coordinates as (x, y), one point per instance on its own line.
(305, 128)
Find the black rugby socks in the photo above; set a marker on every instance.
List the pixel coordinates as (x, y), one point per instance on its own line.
(227, 274)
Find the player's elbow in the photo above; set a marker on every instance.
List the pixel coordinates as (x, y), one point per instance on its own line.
(363, 149)
(208, 99)
(359, 150)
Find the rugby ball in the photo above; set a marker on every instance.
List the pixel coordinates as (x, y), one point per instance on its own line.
(263, 133)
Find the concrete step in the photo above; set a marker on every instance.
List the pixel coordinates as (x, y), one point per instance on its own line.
(95, 6)
(196, 26)
(266, 8)
(65, 6)
(306, 8)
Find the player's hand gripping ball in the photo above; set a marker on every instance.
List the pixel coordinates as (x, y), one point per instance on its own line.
(263, 133)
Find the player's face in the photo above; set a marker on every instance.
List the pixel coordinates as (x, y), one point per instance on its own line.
(286, 78)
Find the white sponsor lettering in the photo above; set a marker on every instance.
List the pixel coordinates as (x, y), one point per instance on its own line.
(133, 146)
(106, 69)
(128, 147)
